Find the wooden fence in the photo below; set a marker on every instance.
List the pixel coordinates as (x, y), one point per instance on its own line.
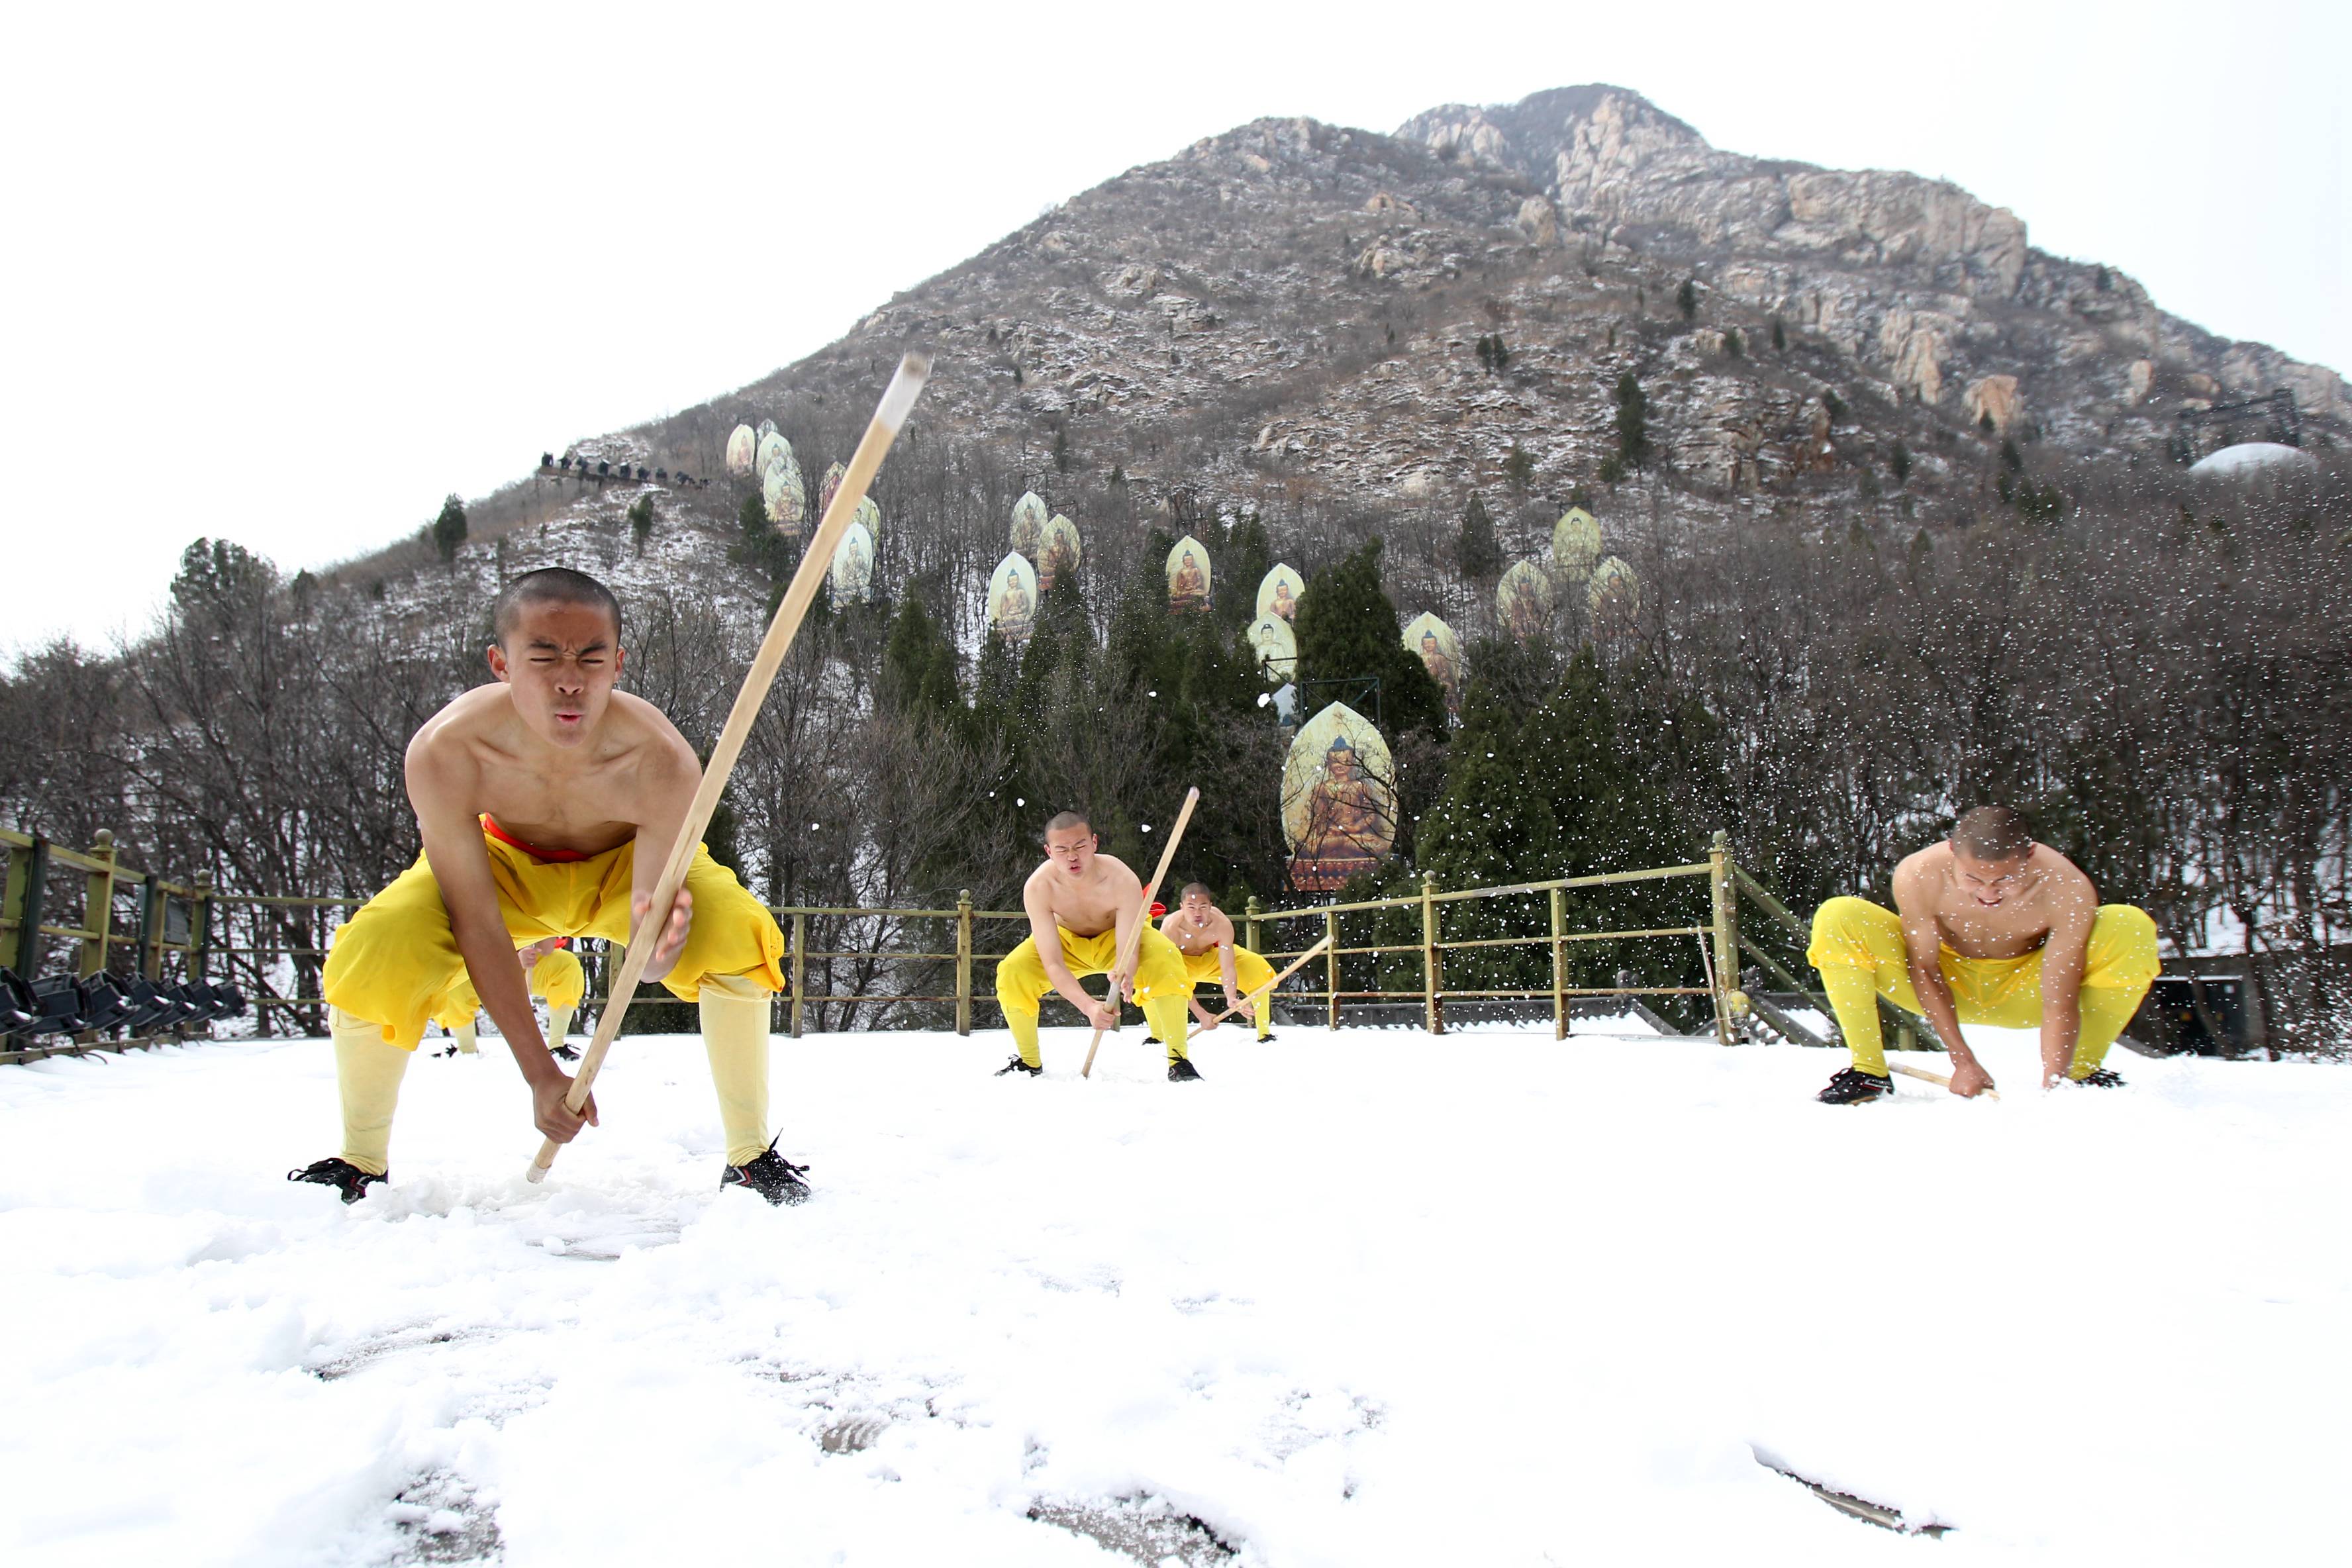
(1387, 959)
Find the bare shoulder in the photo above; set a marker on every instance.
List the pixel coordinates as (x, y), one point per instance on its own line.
(1224, 925)
(443, 756)
(636, 724)
(1114, 873)
(1919, 876)
(2063, 881)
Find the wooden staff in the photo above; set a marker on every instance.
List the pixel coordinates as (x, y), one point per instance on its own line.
(1263, 991)
(1924, 1076)
(905, 387)
(1143, 914)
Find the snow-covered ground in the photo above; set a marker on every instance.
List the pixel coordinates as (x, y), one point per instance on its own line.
(1358, 1300)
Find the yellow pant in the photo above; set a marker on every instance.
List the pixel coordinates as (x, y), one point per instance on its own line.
(394, 967)
(1203, 969)
(556, 976)
(1160, 986)
(1858, 948)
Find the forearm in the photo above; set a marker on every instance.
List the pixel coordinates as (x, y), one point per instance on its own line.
(1065, 986)
(1200, 1014)
(506, 997)
(2061, 1027)
(1935, 1002)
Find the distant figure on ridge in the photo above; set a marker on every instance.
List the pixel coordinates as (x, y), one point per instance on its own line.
(1994, 929)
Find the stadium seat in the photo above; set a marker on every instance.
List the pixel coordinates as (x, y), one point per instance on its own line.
(17, 1008)
(59, 1009)
(103, 1004)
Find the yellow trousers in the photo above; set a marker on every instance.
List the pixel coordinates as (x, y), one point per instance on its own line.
(1160, 986)
(394, 967)
(557, 976)
(1858, 948)
(1203, 969)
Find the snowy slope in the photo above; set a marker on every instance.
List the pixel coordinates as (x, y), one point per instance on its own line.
(1363, 1299)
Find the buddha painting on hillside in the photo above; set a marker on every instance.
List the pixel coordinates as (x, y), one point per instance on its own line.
(780, 488)
(1278, 593)
(851, 579)
(1188, 578)
(1059, 552)
(1276, 645)
(869, 512)
(1441, 655)
(1523, 602)
(828, 486)
(1575, 544)
(1614, 595)
(741, 446)
(1012, 599)
(1028, 524)
(772, 448)
(1338, 802)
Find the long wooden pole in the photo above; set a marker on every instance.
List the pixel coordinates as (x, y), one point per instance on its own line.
(1264, 991)
(1143, 912)
(905, 387)
(1924, 1076)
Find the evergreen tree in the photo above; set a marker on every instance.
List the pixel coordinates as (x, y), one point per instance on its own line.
(918, 667)
(1779, 337)
(1249, 557)
(1477, 553)
(1490, 827)
(1632, 423)
(1899, 461)
(1349, 627)
(641, 522)
(450, 529)
(1686, 299)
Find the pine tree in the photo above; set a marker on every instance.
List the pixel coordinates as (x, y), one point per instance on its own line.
(918, 667)
(641, 522)
(1687, 298)
(1779, 337)
(1476, 552)
(1490, 827)
(450, 529)
(1349, 629)
(1632, 423)
(1898, 462)
(1247, 557)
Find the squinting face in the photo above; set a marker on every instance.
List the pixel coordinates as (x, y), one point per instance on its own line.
(560, 664)
(1071, 848)
(1990, 883)
(1198, 908)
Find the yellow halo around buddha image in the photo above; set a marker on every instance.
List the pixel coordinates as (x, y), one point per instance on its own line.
(1188, 577)
(1058, 553)
(1523, 602)
(1440, 652)
(1028, 524)
(1338, 799)
(743, 446)
(781, 489)
(869, 512)
(1012, 599)
(1279, 591)
(1276, 645)
(1575, 543)
(851, 578)
(1614, 595)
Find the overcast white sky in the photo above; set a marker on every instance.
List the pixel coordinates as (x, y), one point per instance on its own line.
(247, 242)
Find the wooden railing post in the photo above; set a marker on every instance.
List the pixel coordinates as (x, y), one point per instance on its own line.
(1252, 937)
(1432, 1007)
(799, 969)
(152, 907)
(200, 946)
(26, 875)
(963, 961)
(1558, 966)
(1331, 969)
(98, 906)
(1726, 979)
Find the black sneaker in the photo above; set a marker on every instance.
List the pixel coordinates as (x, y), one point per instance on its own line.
(2102, 1078)
(1855, 1087)
(771, 1176)
(1181, 1070)
(567, 1052)
(1017, 1065)
(341, 1175)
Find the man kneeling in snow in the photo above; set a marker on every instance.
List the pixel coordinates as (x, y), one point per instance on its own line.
(1993, 929)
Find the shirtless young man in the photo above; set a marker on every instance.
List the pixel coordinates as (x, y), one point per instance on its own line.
(1993, 929)
(1081, 904)
(1204, 936)
(548, 803)
(552, 972)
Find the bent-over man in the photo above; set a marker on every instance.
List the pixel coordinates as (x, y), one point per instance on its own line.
(548, 803)
(1988, 927)
(553, 974)
(1203, 934)
(1083, 905)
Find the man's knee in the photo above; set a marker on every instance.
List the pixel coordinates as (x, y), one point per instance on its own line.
(1842, 928)
(2123, 953)
(1021, 977)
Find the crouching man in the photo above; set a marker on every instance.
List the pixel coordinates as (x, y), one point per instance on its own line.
(548, 803)
(1993, 928)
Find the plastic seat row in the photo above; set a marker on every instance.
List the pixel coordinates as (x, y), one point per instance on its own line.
(66, 1004)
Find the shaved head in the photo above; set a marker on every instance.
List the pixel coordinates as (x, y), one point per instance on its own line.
(1067, 819)
(551, 585)
(1998, 833)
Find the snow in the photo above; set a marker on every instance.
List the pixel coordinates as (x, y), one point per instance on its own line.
(2249, 456)
(1362, 1299)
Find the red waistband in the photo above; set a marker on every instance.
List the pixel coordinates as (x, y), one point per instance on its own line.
(553, 857)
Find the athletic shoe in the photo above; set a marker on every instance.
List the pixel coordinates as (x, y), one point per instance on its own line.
(1017, 1065)
(567, 1052)
(1181, 1070)
(341, 1175)
(2102, 1078)
(771, 1176)
(1855, 1087)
